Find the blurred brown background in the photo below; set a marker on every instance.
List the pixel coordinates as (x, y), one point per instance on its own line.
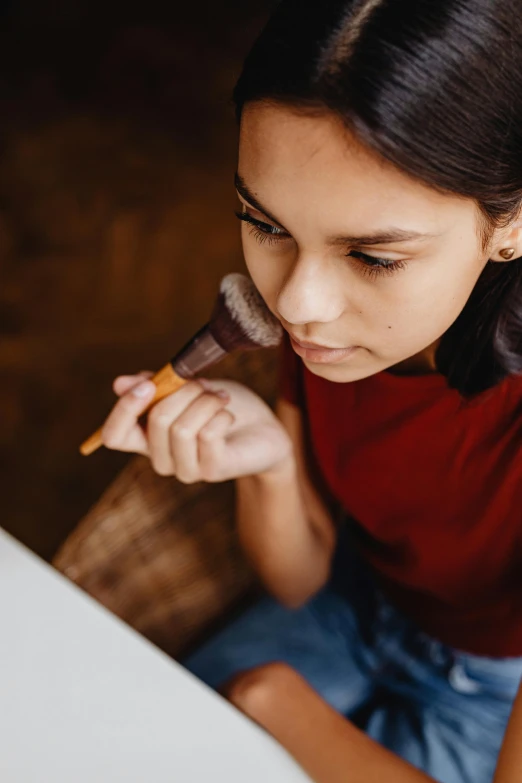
(117, 153)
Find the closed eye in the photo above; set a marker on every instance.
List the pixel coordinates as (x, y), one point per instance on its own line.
(372, 266)
(376, 266)
(265, 228)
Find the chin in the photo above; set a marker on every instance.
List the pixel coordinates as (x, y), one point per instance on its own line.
(348, 372)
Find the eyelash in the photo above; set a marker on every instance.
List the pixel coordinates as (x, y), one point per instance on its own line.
(370, 265)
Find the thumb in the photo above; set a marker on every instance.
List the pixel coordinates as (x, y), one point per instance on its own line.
(124, 383)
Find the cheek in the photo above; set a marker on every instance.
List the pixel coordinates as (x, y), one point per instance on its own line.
(419, 306)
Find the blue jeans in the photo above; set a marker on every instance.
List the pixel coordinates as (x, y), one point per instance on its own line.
(443, 710)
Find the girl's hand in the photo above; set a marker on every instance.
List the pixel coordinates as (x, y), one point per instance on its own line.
(208, 430)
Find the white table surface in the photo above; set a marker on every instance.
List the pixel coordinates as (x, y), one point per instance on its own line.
(85, 699)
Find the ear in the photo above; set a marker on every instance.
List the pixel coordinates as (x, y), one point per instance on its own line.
(507, 238)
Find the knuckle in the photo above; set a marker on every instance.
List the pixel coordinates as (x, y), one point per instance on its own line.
(230, 416)
(214, 428)
(207, 434)
(181, 432)
(159, 418)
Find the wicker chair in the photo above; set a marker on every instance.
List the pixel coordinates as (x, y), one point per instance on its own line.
(164, 556)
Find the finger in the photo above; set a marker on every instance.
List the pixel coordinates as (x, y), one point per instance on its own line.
(124, 383)
(183, 435)
(121, 430)
(160, 420)
(212, 445)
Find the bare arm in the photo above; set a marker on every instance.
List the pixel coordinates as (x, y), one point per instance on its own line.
(326, 745)
(509, 769)
(330, 748)
(284, 526)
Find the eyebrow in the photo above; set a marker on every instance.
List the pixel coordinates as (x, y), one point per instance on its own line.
(385, 237)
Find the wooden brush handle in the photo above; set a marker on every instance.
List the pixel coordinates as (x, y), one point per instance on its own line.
(167, 381)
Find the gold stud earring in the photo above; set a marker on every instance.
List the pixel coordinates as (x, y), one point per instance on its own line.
(507, 253)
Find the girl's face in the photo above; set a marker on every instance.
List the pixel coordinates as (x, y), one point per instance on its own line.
(346, 250)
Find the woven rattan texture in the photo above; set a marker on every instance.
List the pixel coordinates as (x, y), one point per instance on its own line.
(161, 555)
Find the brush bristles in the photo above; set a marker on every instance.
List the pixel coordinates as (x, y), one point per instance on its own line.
(241, 318)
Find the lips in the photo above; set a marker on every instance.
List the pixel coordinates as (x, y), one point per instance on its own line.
(314, 346)
(323, 355)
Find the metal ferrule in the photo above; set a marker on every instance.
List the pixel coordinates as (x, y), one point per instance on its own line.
(200, 352)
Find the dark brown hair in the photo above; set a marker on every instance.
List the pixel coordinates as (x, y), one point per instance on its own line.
(435, 87)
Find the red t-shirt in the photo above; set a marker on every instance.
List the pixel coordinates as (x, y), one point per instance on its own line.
(434, 484)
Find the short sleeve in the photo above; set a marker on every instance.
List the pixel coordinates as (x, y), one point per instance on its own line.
(290, 373)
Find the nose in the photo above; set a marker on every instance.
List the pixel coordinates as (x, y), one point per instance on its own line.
(311, 293)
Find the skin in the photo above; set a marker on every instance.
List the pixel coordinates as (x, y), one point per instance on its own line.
(326, 745)
(315, 181)
(318, 182)
(509, 769)
(330, 748)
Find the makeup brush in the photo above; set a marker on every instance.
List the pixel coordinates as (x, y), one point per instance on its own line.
(240, 319)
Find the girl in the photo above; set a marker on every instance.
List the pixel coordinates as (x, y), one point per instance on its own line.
(380, 182)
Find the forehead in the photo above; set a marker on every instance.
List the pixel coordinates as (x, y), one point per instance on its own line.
(291, 159)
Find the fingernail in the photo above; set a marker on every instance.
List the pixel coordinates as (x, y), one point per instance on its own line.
(223, 395)
(143, 390)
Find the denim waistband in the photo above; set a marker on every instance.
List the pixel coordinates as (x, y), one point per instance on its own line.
(381, 623)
